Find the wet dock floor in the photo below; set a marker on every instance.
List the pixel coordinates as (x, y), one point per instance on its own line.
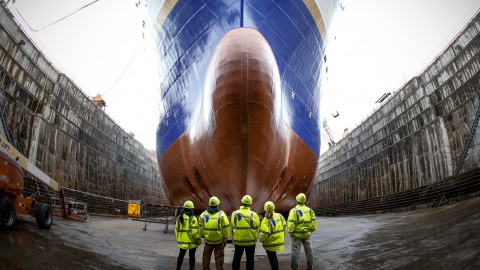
(446, 237)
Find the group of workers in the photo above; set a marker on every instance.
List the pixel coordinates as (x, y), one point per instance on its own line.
(214, 227)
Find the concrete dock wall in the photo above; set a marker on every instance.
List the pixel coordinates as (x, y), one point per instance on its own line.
(58, 127)
(416, 138)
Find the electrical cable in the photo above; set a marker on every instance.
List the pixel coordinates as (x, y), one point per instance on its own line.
(76, 11)
(59, 20)
(146, 132)
(125, 70)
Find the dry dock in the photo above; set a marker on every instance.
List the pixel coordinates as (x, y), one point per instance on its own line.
(446, 237)
(421, 146)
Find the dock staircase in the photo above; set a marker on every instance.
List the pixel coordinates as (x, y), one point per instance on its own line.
(471, 136)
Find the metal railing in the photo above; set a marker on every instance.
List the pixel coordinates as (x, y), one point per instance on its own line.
(448, 190)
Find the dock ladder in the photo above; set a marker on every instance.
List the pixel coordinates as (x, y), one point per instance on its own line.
(470, 137)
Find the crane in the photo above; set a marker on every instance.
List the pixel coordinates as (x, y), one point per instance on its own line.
(331, 141)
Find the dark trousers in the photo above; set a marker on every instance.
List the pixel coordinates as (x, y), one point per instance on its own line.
(191, 257)
(207, 254)
(272, 258)
(237, 256)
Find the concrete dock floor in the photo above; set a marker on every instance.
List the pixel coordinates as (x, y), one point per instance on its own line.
(446, 237)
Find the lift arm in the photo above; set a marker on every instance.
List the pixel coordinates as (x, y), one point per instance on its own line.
(26, 164)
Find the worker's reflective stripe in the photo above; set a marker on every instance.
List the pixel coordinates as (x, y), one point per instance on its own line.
(219, 220)
(274, 232)
(187, 243)
(189, 230)
(212, 229)
(207, 218)
(283, 225)
(186, 233)
(274, 245)
(303, 223)
(243, 228)
(213, 242)
(190, 227)
(272, 228)
(236, 221)
(245, 241)
(298, 221)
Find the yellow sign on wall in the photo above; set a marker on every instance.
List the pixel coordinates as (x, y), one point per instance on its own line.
(134, 210)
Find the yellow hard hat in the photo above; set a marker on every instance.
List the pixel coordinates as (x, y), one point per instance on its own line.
(247, 199)
(214, 201)
(269, 206)
(188, 204)
(301, 198)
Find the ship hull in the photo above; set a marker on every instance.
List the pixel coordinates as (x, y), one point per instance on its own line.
(239, 99)
(240, 143)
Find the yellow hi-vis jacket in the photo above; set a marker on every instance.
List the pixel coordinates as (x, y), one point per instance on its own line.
(301, 222)
(214, 226)
(187, 233)
(245, 226)
(272, 232)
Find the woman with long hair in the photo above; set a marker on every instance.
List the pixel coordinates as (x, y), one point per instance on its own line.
(187, 234)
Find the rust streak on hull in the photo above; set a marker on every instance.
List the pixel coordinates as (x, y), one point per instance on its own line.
(240, 142)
